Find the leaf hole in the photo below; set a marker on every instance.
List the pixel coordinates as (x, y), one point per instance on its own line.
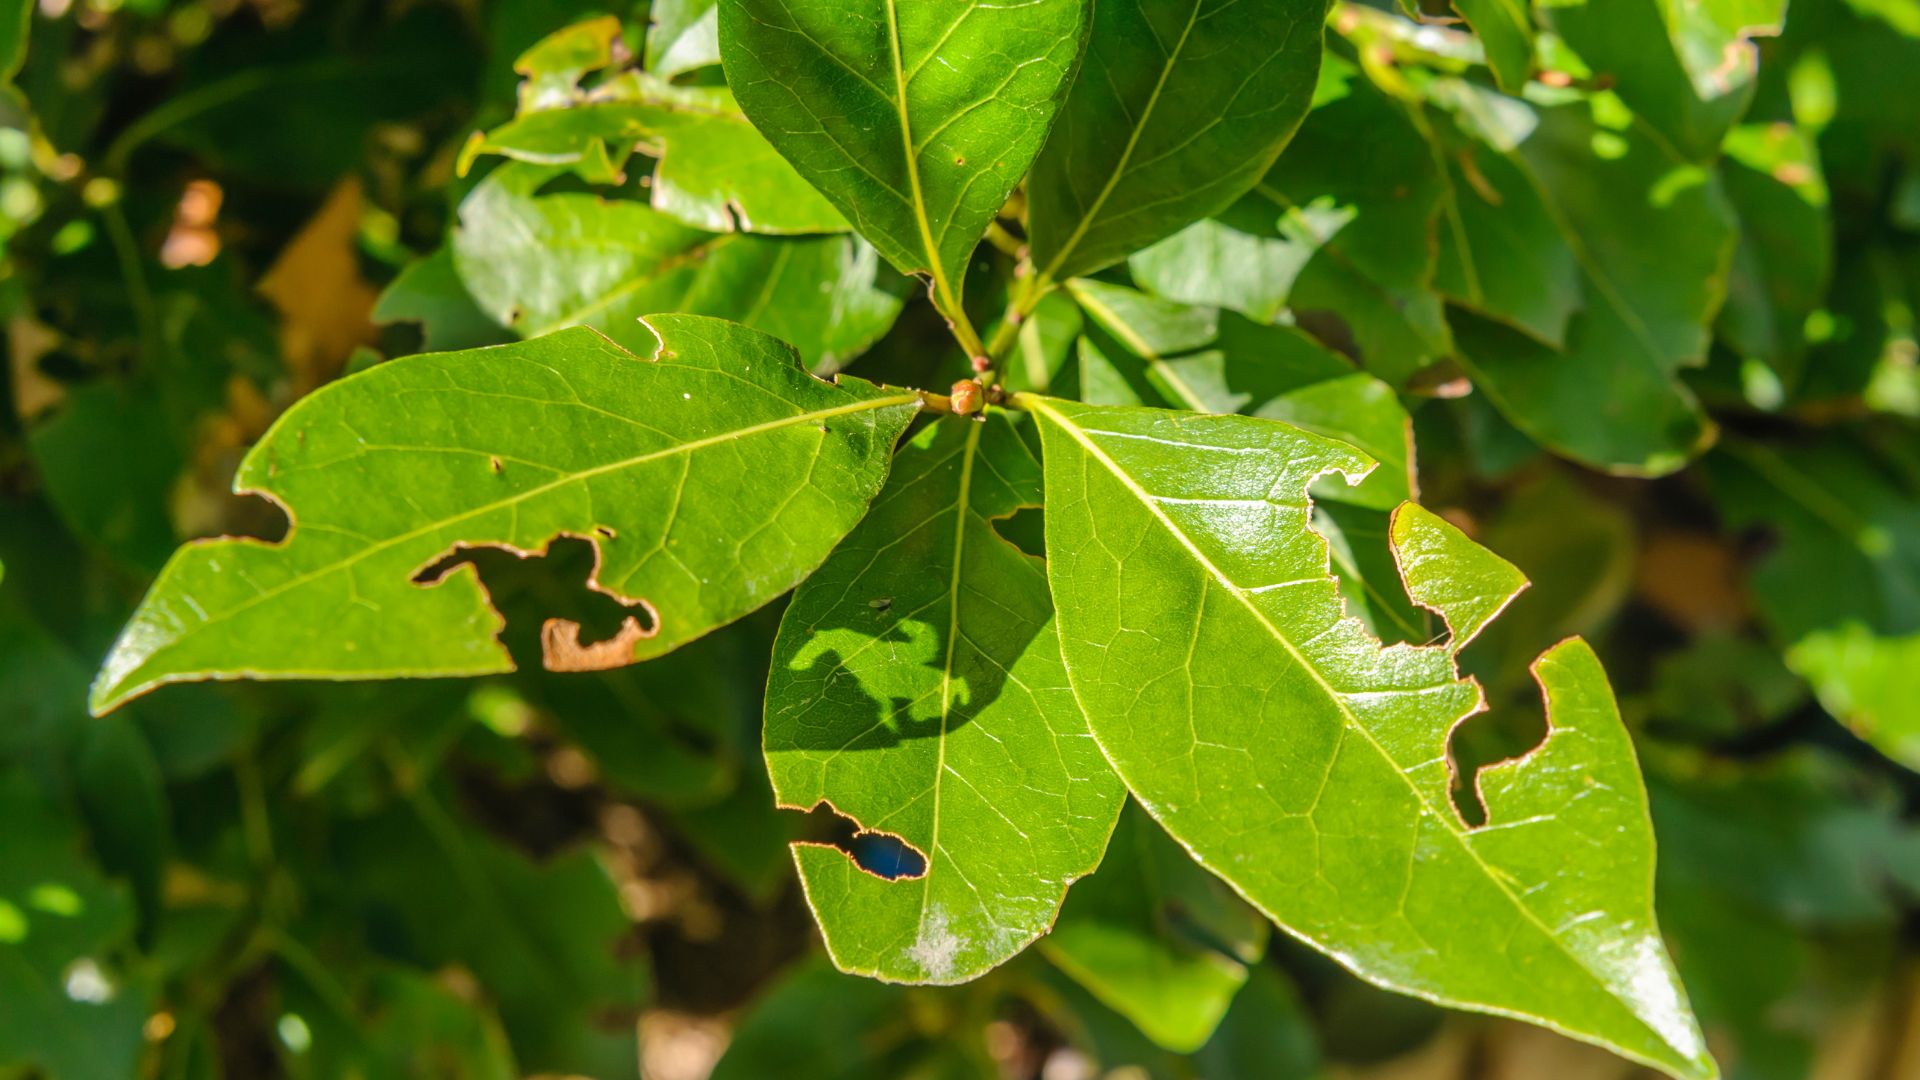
(1509, 730)
(551, 621)
(881, 854)
(1025, 529)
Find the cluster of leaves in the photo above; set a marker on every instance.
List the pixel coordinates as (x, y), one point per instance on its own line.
(1264, 317)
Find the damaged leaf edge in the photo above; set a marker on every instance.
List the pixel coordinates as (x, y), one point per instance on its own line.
(560, 645)
(1704, 1066)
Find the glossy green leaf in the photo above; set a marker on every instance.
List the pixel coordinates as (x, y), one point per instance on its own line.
(715, 171)
(1156, 938)
(537, 263)
(1307, 765)
(1447, 573)
(1180, 107)
(917, 689)
(915, 119)
(1208, 361)
(711, 479)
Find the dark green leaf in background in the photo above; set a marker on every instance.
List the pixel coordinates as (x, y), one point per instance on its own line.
(1156, 938)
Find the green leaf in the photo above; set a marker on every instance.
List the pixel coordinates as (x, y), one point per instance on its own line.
(787, 1033)
(915, 119)
(1866, 680)
(429, 292)
(917, 688)
(715, 171)
(741, 476)
(1447, 573)
(68, 1011)
(1179, 108)
(1840, 589)
(1505, 30)
(1612, 396)
(1686, 68)
(1336, 232)
(1784, 263)
(1307, 765)
(1200, 359)
(536, 263)
(684, 35)
(1156, 938)
(542, 937)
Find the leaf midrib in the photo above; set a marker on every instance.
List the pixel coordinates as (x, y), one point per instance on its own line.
(1126, 154)
(962, 501)
(1073, 429)
(534, 492)
(940, 282)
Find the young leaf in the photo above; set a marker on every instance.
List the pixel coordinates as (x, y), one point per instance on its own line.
(1179, 108)
(1157, 939)
(711, 478)
(1308, 765)
(915, 119)
(917, 688)
(537, 263)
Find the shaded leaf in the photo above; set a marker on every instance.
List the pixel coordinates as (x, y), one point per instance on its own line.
(1307, 765)
(1611, 397)
(1179, 108)
(715, 171)
(917, 688)
(1687, 68)
(1156, 938)
(536, 263)
(1505, 30)
(68, 1010)
(742, 475)
(429, 292)
(1336, 231)
(542, 937)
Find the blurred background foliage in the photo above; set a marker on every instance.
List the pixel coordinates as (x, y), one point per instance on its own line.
(211, 207)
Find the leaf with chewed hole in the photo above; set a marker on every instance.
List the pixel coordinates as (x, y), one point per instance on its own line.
(1307, 764)
(917, 688)
(711, 478)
